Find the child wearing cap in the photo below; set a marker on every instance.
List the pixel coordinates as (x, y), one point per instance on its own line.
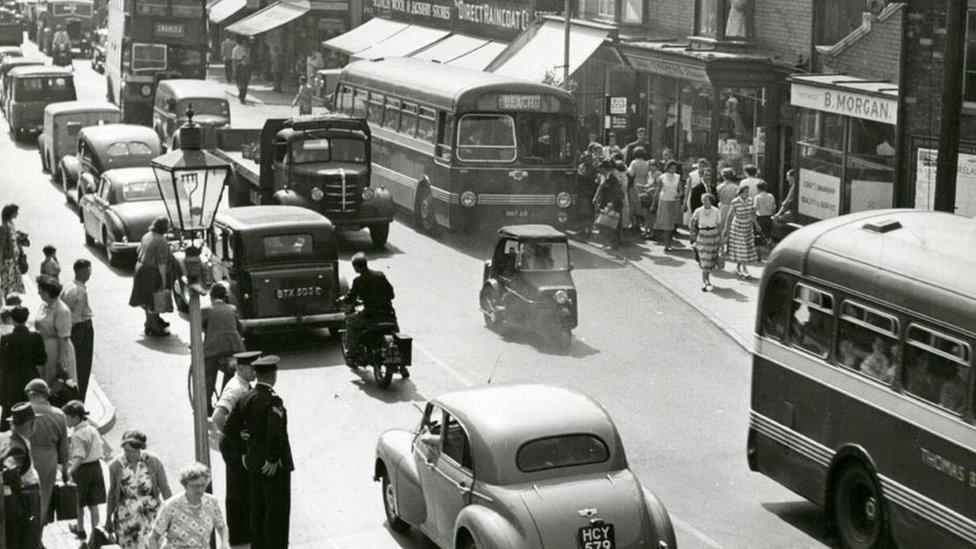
(84, 465)
(51, 266)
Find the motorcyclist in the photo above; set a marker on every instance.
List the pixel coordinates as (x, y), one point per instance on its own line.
(60, 37)
(376, 294)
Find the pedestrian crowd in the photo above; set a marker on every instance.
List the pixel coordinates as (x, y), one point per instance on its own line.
(626, 191)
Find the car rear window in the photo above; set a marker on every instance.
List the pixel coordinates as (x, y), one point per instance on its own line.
(287, 245)
(561, 451)
(123, 148)
(45, 88)
(140, 190)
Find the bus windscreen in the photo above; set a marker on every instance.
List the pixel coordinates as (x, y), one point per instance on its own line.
(529, 138)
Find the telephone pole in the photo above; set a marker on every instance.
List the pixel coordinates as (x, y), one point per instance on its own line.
(948, 160)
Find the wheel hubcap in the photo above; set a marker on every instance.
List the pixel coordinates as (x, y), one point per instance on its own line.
(871, 509)
(390, 501)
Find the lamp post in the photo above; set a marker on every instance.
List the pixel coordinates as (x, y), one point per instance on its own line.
(191, 182)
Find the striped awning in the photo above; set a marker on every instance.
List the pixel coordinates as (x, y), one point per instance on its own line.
(271, 17)
(222, 9)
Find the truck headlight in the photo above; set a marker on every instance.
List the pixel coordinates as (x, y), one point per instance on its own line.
(368, 193)
(563, 200)
(317, 194)
(469, 199)
(561, 297)
(145, 90)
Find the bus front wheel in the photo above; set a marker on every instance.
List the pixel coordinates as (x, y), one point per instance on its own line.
(424, 211)
(859, 510)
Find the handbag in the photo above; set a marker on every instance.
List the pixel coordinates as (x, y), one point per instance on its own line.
(65, 501)
(163, 301)
(607, 218)
(100, 539)
(22, 263)
(63, 390)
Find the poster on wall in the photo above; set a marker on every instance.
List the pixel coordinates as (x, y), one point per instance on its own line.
(819, 194)
(871, 195)
(925, 170)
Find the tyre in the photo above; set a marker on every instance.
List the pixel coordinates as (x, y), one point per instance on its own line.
(44, 167)
(383, 375)
(859, 510)
(424, 211)
(389, 506)
(115, 259)
(489, 309)
(89, 241)
(65, 187)
(378, 234)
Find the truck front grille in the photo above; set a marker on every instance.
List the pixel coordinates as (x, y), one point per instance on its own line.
(341, 195)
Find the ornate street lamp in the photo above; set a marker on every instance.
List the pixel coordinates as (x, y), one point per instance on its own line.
(191, 182)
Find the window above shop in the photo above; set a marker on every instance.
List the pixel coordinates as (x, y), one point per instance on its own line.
(613, 11)
(724, 21)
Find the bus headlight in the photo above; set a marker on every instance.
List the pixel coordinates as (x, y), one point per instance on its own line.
(563, 200)
(317, 194)
(368, 193)
(469, 199)
(561, 297)
(145, 90)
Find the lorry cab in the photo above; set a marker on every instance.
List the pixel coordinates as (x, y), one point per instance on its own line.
(30, 90)
(174, 97)
(281, 266)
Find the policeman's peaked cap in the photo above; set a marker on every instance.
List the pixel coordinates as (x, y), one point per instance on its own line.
(265, 364)
(247, 357)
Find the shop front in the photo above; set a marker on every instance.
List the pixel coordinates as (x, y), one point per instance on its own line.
(724, 107)
(845, 145)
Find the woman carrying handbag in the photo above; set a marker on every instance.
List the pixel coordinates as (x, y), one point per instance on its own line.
(608, 202)
(150, 285)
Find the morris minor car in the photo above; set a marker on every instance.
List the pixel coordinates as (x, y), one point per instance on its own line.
(518, 467)
(120, 211)
(62, 122)
(103, 148)
(281, 266)
(29, 90)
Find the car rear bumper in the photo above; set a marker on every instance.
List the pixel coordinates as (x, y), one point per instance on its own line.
(124, 247)
(279, 321)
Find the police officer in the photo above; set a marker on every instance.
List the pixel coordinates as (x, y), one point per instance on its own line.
(238, 488)
(21, 486)
(259, 424)
(375, 291)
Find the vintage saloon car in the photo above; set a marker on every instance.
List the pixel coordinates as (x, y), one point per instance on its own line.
(103, 148)
(518, 466)
(31, 88)
(281, 266)
(120, 211)
(62, 122)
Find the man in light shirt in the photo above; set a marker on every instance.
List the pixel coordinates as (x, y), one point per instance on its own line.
(75, 296)
(751, 180)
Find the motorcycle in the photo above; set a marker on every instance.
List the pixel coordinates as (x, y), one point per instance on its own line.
(380, 346)
(62, 56)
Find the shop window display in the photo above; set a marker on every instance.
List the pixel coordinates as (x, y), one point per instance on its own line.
(741, 132)
(870, 165)
(696, 121)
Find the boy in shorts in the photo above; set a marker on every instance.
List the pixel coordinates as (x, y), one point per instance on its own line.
(84, 465)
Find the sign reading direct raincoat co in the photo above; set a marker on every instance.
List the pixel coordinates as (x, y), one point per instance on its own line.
(845, 103)
(491, 19)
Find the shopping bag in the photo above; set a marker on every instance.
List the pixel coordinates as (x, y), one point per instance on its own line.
(63, 390)
(22, 263)
(608, 219)
(100, 539)
(163, 301)
(65, 501)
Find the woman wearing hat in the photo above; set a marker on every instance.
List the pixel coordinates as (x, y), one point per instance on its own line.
(137, 488)
(49, 441)
(152, 275)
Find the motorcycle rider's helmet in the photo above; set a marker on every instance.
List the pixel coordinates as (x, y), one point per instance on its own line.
(359, 262)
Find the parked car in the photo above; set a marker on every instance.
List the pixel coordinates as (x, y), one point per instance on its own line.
(174, 97)
(6, 65)
(98, 50)
(62, 122)
(7, 52)
(281, 266)
(103, 148)
(120, 211)
(31, 89)
(517, 466)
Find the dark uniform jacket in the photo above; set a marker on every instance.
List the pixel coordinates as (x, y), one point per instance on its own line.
(374, 290)
(261, 414)
(21, 352)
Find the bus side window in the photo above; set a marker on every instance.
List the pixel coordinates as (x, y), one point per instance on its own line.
(426, 125)
(936, 368)
(812, 320)
(376, 101)
(359, 103)
(391, 118)
(408, 119)
(776, 306)
(865, 341)
(344, 101)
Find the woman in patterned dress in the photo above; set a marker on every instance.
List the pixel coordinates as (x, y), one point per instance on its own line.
(11, 281)
(705, 231)
(740, 232)
(188, 520)
(137, 486)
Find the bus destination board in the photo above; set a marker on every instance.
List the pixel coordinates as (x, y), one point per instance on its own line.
(520, 102)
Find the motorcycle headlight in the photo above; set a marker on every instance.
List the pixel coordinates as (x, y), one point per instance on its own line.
(317, 194)
(368, 193)
(561, 297)
(468, 199)
(563, 200)
(145, 90)
(562, 217)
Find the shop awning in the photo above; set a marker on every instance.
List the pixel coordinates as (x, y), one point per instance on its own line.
(365, 35)
(544, 50)
(480, 58)
(404, 43)
(222, 9)
(271, 17)
(450, 48)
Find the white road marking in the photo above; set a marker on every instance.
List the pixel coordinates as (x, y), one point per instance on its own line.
(450, 369)
(700, 536)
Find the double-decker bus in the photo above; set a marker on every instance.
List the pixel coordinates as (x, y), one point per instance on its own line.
(465, 149)
(862, 382)
(148, 41)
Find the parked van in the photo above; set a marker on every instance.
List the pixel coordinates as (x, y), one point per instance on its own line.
(62, 122)
(174, 97)
(30, 90)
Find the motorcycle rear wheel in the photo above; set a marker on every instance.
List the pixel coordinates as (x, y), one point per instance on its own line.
(383, 375)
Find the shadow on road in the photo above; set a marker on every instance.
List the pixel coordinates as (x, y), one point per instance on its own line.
(299, 350)
(578, 348)
(804, 516)
(171, 344)
(401, 390)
